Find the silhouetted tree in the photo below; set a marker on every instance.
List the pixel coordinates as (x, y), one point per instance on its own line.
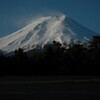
(95, 43)
(54, 59)
(1, 53)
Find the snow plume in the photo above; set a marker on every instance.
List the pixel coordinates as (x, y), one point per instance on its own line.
(24, 20)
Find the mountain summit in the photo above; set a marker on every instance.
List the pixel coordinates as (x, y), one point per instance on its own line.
(44, 30)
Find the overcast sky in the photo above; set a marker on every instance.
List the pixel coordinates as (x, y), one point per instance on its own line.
(15, 14)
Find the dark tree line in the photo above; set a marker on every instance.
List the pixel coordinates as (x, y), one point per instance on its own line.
(54, 59)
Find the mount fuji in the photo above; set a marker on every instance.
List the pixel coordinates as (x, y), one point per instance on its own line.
(43, 30)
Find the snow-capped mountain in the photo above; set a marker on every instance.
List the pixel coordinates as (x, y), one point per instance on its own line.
(44, 30)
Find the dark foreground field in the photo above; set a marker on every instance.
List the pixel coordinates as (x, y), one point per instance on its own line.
(49, 88)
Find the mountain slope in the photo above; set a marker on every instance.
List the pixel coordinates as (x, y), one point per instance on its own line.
(44, 30)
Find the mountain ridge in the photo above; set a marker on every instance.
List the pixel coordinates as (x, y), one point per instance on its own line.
(43, 30)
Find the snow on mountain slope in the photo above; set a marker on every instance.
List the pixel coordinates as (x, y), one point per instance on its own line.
(44, 30)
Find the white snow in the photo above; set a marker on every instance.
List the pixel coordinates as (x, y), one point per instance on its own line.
(44, 30)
